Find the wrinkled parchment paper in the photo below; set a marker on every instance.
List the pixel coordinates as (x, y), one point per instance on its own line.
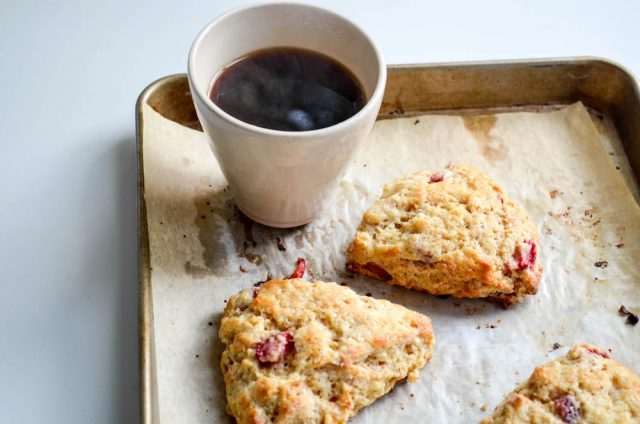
(555, 163)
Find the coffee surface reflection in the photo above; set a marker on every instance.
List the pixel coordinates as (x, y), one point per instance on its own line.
(288, 89)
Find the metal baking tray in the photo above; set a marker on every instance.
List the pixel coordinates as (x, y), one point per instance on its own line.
(609, 91)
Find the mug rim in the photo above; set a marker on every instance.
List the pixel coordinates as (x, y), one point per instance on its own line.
(370, 104)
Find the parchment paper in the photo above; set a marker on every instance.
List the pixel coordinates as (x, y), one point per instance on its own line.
(555, 163)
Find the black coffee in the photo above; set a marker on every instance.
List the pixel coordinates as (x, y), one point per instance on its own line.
(288, 89)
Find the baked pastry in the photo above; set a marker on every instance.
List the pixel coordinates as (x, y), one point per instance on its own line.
(449, 232)
(585, 386)
(303, 352)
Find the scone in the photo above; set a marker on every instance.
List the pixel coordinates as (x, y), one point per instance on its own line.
(449, 232)
(585, 386)
(303, 352)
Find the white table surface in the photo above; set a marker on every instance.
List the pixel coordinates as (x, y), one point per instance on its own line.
(71, 72)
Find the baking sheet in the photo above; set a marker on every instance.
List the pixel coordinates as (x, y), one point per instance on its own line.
(555, 163)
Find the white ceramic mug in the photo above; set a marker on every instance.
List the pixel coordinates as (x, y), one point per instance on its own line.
(283, 178)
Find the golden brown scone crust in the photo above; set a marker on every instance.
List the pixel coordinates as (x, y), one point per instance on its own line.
(345, 352)
(585, 386)
(449, 232)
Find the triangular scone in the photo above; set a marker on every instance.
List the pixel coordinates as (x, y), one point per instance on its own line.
(585, 386)
(315, 352)
(449, 232)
